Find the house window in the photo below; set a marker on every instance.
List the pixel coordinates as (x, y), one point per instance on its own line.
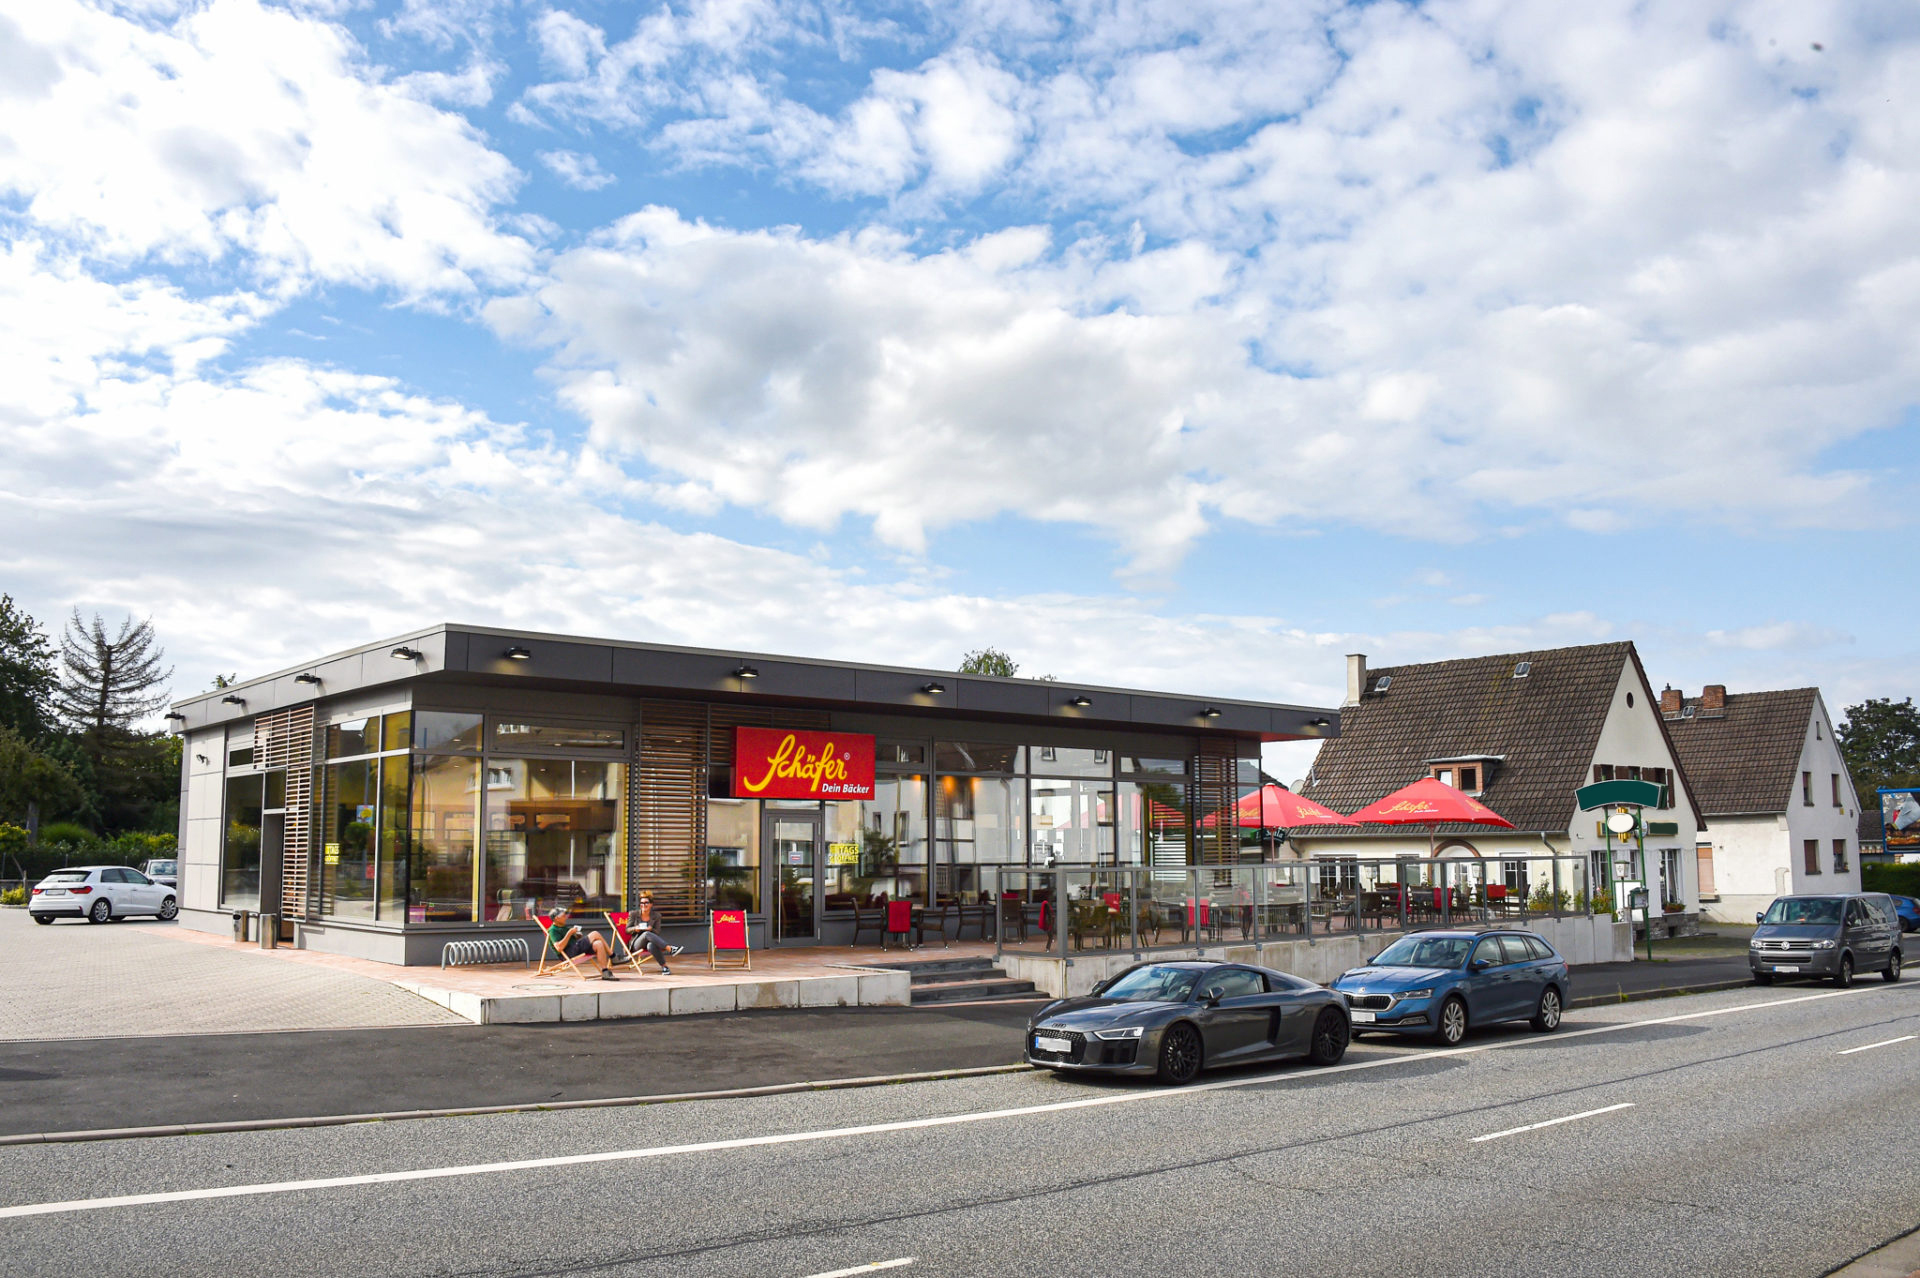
(1664, 779)
(1339, 877)
(1811, 852)
(1839, 856)
(1806, 788)
(1836, 791)
(1671, 888)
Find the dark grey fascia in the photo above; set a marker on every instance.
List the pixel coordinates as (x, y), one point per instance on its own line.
(479, 653)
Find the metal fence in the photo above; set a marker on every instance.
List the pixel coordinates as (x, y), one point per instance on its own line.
(1070, 909)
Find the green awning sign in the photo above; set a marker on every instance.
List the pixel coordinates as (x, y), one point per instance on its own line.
(1606, 794)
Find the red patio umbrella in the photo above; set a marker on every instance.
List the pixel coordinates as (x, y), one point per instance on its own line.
(1274, 807)
(1429, 802)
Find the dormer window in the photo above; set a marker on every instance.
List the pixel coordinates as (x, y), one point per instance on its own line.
(1464, 777)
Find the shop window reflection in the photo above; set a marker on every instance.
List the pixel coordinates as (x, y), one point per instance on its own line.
(555, 834)
(733, 854)
(446, 812)
(977, 821)
(240, 855)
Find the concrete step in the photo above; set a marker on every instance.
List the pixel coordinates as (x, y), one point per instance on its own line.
(973, 991)
(943, 969)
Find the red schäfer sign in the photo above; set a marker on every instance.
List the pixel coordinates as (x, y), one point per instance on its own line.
(773, 763)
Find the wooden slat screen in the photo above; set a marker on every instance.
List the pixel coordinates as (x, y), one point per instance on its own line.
(1215, 791)
(284, 739)
(668, 832)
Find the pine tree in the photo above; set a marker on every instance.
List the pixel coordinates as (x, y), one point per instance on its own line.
(108, 685)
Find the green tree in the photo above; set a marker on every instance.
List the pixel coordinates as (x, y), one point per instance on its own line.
(989, 661)
(27, 678)
(1880, 740)
(31, 777)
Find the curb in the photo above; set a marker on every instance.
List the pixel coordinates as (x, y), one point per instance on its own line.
(611, 1102)
(1641, 996)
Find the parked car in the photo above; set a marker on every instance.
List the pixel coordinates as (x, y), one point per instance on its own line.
(100, 894)
(163, 870)
(1172, 1020)
(1908, 911)
(1443, 981)
(1826, 936)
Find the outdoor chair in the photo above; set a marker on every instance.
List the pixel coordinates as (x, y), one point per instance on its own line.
(899, 923)
(869, 918)
(1084, 919)
(623, 945)
(561, 962)
(934, 917)
(1013, 918)
(978, 913)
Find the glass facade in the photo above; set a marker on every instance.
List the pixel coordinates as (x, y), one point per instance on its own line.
(1155, 824)
(364, 828)
(556, 833)
(976, 821)
(892, 860)
(446, 813)
(1073, 821)
(240, 851)
(733, 854)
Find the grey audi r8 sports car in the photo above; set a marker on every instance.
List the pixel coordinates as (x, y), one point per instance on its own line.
(1173, 1020)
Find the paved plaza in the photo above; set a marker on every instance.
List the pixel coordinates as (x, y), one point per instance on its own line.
(136, 978)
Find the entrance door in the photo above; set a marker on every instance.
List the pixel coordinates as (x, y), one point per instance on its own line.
(793, 839)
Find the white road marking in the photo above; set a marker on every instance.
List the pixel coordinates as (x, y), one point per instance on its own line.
(1904, 1038)
(901, 1263)
(1554, 1122)
(876, 1129)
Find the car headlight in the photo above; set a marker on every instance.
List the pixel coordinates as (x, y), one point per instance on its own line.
(1823, 945)
(1131, 1031)
(1408, 996)
(1754, 944)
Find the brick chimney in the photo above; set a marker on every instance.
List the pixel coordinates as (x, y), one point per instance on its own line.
(1356, 677)
(1713, 697)
(1670, 700)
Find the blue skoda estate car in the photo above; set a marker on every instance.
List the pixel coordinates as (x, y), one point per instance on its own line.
(1442, 981)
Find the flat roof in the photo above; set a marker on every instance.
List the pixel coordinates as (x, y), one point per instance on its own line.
(478, 654)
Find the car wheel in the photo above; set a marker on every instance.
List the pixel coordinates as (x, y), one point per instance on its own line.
(1763, 978)
(169, 910)
(1453, 1022)
(43, 919)
(1892, 973)
(1843, 977)
(102, 912)
(1330, 1037)
(1179, 1054)
(1547, 1018)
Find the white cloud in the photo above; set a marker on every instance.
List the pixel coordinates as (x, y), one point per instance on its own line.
(243, 134)
(577, 170)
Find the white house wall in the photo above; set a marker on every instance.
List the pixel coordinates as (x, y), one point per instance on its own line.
(1633, 736)
(204, 757)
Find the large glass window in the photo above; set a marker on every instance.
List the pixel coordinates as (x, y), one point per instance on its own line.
(395, 840)
(240, 855)
(1154, 825)
(977, 756)
(556, 736)
(1071, 761)
(1073, 821)
(444, 730)
(349, 838)
(733, 854)
(892, 860)
(976, 821)
(556, 832)
(354, 736)
(446, 812)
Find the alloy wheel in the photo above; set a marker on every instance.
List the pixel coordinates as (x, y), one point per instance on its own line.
(169, 909)
(1892, 973)
(1453, 1021)
(1330, 1037)
(1844, 977)
(1547, 1019)
(101, 912)
(1179, 1054)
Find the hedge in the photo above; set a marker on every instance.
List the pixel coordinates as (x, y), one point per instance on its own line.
(1900, 879)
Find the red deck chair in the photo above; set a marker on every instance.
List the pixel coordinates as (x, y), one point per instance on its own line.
(560, 961)
(624, 952)
(899, 923)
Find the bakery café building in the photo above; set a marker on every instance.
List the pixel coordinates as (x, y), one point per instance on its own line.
(449, 783)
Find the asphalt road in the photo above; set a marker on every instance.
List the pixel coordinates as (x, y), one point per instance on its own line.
(1740, 1132)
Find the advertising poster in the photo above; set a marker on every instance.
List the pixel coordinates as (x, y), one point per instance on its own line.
(1900, 814)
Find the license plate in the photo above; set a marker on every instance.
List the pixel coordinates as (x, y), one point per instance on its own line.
(1786, 967)
(1052, 1045)
(56, 891)
(1363, 1018)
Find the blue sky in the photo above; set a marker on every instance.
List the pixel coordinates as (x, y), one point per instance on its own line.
(1191, 345)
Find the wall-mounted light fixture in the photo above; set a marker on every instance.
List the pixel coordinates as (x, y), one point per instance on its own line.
(1210, 712)
(231, 700)
(404, 653)
(517, 653)
(933, 689)
(746, 672)
(175, 714)
(1081, 701)
(308, 677)
(1319, 722)
(200, 758)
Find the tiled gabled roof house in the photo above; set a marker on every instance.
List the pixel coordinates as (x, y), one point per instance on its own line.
(1521, 731)
(1781, 806)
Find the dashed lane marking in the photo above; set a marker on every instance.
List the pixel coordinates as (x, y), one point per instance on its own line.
(1904, 1038)
(1554, 1122)
(872, 1267)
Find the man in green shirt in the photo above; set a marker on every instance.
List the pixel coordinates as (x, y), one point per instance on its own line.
(568, 939)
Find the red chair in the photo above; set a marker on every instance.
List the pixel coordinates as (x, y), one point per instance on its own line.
(899, 923)
(1113, 900)
(561, 962)
(626, 953)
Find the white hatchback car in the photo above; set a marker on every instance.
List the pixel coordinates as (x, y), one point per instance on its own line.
(100, 894)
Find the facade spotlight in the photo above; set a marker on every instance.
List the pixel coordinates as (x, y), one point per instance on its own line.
(746, 672)
(175, 714)
(404, 653)
(933, 689)
(231, 700)
(517, 653)
(1081, 701)
(308, 677)
(1210, 712)
(1320, 721)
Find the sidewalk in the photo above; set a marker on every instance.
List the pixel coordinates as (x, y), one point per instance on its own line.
(510, 993)
(1598, 983)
